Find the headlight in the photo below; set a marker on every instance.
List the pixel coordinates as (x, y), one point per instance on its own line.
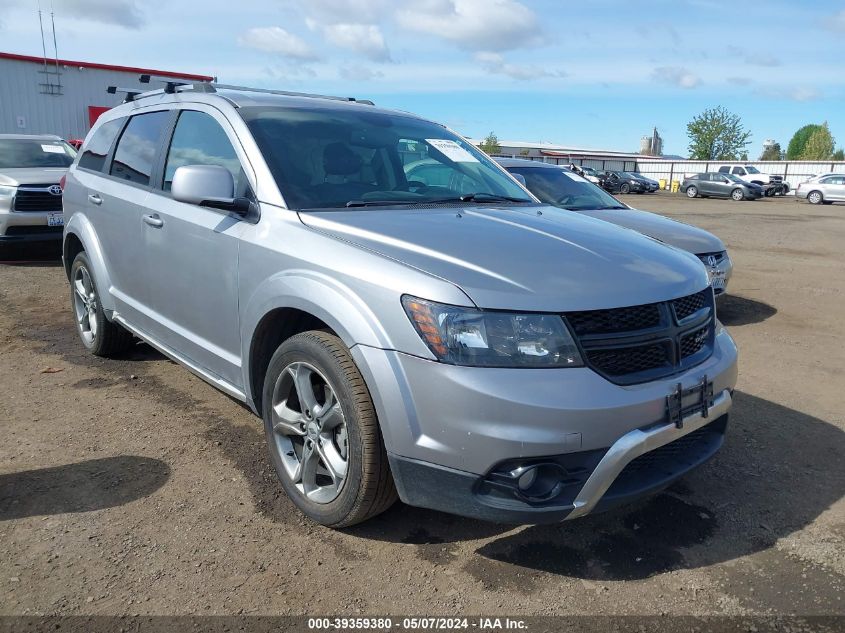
(6, 191)
(481, 338)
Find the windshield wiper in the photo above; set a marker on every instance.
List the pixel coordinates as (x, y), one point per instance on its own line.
(382, 203)
(489, 197)
(616, 206)
(469, 197)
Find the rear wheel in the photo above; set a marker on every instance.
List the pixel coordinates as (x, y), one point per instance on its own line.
(322, 432)
(815, 197)
(101, 336)
(737, 194)
(692, 191)
(625, 188)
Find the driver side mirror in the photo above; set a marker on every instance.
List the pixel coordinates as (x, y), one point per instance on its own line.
(208, 186)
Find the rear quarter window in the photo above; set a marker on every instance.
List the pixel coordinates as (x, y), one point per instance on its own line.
(98, 147)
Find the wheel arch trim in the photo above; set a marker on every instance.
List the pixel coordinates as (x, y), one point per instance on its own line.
(81, 228)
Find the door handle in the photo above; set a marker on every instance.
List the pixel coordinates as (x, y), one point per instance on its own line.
(153, 220)
(94, 198)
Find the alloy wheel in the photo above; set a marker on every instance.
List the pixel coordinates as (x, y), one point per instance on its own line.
(815, 197)
(85, 305)
(310, 432)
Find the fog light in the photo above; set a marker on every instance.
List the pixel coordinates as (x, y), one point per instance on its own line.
(541, 482)
(527, 479)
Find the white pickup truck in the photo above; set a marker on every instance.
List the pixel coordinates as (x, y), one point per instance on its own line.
(772, 184)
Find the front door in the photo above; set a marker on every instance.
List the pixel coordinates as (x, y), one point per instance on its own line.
(193, 252)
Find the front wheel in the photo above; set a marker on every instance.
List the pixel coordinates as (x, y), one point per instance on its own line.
(815, 197)
(737, 194)
(99, 335)
(323, 434)
(625, 188)
(692, 191)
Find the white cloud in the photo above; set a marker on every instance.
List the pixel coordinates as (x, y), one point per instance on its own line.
(359, 73)
(479, 25)
(274, 39)
(799, 93)
(365, 39)
(337, 11)
(496, 64)
(676, 75)
(119, 12)
(837, 22)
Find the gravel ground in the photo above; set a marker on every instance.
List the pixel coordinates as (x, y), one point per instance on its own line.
(131, 487)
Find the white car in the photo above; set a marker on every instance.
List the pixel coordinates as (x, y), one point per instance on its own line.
(772, 184)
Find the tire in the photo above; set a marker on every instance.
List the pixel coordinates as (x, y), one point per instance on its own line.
(815, 197)
(737, 194)
(692, 191)
(336, 475)
(625, 188)
(99, 335)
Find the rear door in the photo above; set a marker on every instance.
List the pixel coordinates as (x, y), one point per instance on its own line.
(193, 250)
(834, 188)
(704, 184)
(116, 195)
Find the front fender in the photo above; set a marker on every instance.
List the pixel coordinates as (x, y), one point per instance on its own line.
(80, 226)
(320, 295)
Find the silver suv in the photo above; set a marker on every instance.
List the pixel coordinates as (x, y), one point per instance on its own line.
(31, 168)
(457, 344)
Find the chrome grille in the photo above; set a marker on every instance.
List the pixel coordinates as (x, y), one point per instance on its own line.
(37, 198)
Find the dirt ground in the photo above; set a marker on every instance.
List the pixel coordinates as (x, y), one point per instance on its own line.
(132, 487)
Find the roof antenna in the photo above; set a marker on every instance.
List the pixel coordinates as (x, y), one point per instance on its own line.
(55, 48)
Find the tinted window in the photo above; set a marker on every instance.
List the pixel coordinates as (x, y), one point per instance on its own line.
(833, 180)
(724, 170)
(34, 153)
(326, 157)
(738, 171)
(199, 140)
(564, 189)
(97, 148)
(136, 150)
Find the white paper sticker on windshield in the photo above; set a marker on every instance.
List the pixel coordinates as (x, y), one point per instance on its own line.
(53, 149)
(451, 150)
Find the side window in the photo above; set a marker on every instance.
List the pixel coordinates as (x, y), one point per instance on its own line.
(199, 140)
(739, 171)
(136, 149)
(724, 170)
(94, 156)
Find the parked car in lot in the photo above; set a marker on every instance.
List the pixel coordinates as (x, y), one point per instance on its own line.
(717, 185)
(30, 195)
(460, 345)
(561, 188)
(653, 185)
(587, 172)
(826, 190)
(772, 184)
(622, 182)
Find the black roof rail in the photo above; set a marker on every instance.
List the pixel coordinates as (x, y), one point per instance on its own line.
(131, 93)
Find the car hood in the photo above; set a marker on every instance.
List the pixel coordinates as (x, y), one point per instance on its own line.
(32, 175)
(689, 238)
(534, 258)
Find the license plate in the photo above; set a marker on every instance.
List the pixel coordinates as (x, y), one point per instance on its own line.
(717, 278)
(56, 219)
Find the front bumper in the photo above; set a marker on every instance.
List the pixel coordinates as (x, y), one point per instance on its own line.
(448, 428)
(29, 226)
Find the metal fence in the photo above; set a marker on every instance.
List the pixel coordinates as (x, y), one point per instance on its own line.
(794, 172)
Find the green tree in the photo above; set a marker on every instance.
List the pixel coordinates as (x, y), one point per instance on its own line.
(799, 140)
(772, 152)
(838, 154)
(820, 145)
(490, 145)
(717, 134)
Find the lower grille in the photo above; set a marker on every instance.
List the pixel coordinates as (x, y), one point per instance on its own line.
(37, 198)
(629, 360)
(34, 230)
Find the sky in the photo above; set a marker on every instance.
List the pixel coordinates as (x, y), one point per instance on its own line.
(595, 74)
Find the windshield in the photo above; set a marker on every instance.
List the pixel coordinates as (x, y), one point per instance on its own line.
(751, 169)
(324, 158)
(565, 189)
(628, 174)
(732, 177)
(15, 153)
